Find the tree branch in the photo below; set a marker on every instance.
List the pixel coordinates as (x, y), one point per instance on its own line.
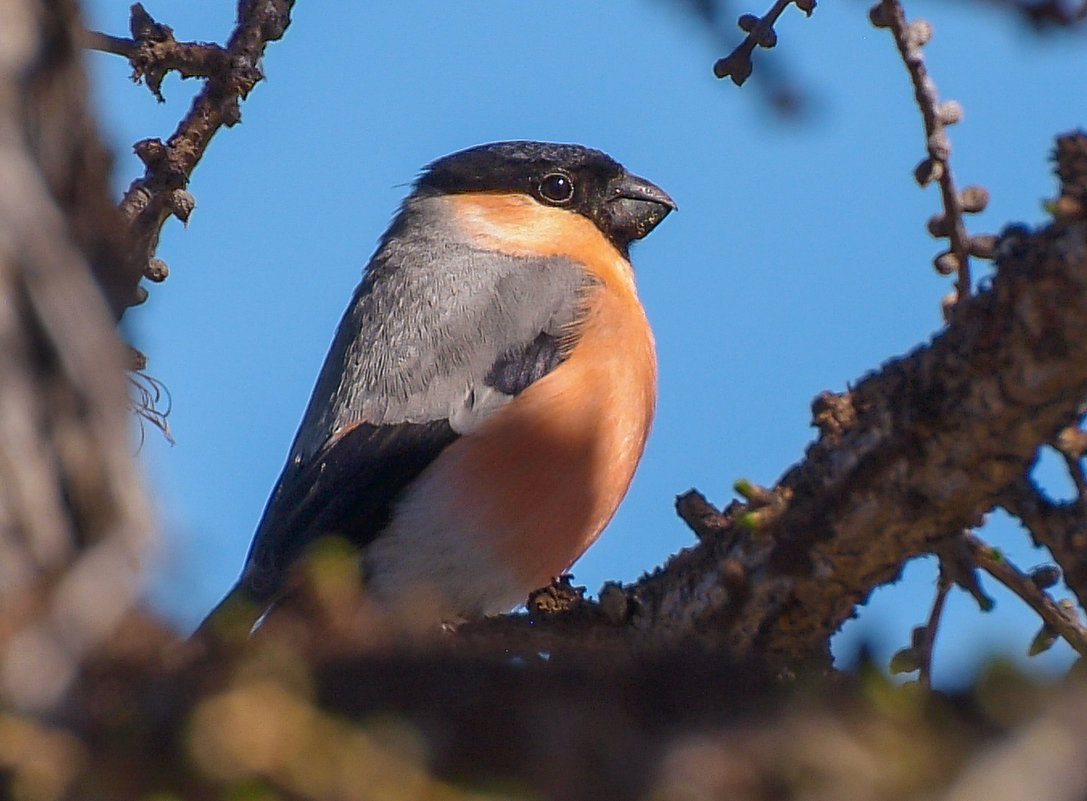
(928, 640)
(153, 51)
(231, 74)
(760, 33)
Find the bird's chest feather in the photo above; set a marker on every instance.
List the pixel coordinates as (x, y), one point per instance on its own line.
(560, 457)
(512, 504)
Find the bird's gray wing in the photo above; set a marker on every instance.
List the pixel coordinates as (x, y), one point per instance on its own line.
(438, 336)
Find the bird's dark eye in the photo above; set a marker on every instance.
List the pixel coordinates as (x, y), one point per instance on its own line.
(556, 188)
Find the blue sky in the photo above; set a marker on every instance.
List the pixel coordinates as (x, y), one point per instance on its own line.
(798, 260)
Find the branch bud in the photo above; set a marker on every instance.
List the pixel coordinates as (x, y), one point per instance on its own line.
(946, 263)
(983, 246)
(927, 171)
(939, 146)
(877, 15)
(767, 37)
(1045, 576)
(736, 65)
(755, 495)
(906, 660)
(974, 199)
(747, 22)
(949, 112)
(137, 359)
(156, 270)
(938, 225)
(150, 151)
(181, 204)
(1066, 208)
(920, 32)
(948, 304)
(1042, 641)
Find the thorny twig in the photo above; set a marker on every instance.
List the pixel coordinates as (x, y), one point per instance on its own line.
(910, 37)
(760, 33)
(1065, 623)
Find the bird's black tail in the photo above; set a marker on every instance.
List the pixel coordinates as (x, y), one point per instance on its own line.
(233, 618)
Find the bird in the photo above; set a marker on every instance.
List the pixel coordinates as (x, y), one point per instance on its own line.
(488, 393)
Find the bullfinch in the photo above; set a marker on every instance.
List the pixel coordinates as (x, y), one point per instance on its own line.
(489, 390)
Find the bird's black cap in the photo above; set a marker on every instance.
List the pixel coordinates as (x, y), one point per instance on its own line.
(622, 205)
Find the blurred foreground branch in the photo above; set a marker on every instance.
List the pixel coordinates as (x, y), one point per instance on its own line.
(72, 512)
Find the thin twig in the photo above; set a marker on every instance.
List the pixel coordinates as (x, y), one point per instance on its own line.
(760, 33)
(118, 45)
(909, 39)
(996, 565)
(928, 641)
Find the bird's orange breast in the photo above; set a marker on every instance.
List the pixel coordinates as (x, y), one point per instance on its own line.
(542, 478)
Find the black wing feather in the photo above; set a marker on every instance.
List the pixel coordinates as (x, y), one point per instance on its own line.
(348, 490)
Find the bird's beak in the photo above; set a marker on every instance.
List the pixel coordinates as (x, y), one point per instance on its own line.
(636, 206)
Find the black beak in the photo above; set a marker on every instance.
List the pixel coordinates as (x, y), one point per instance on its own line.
(635, 207)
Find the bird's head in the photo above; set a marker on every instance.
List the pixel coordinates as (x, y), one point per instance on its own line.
(623, 206)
